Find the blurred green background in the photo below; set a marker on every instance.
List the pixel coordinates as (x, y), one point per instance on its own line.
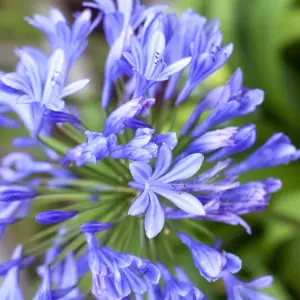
(266, 36)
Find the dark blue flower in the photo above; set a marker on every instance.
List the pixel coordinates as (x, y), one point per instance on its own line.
(163, 183)
(54, 216)
(209, 261)
(61, 117)
(11, 193)
(238, 290)
(92, 227)
(135, 123)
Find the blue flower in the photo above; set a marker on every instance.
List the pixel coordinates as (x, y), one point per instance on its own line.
(147, 61)
(17, 166)
(144, 145)
(13, 210)
(163, 183)
(6, 121)
(208, 56)
(119, 24)
(27, 113)
(140, 148)
(227, 141)
(209, 261)
(49, 90)
(72, 39)
(194, 293)
(54, 216)
(73, 155)
(278, 150)
(60, 117)
(10, 288)
(180, 288)
(44, 90)
(13, 192)
(238, 290)
(226, 103)
(228, 205)
(249, 197)
(116, 121)
(64, 273)
(183, 36)
(45, 290)
(117, 275)
(97, 147)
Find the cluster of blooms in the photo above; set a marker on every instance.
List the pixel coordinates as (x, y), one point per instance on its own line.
(98, 183)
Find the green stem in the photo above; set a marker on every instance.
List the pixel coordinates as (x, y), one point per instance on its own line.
(75, 196)
(174, 117)
(168, 249)
(83, 183)
(117, 168)
(152, 250)
(200, 228)
(72, 133)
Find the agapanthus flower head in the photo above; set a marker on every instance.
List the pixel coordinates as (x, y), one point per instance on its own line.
(115, 202)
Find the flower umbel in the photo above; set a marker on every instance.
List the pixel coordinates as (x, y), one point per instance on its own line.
(112, 199)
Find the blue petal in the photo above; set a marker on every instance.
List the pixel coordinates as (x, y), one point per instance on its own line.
(185, 201)
(155, 217)
(261, 282)
(163, 161)
(207, 260)
(137, 284)
(54, 81)
(140, 204)
(185, 168)
(140, 172)
(174, 68)
(74, 87)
